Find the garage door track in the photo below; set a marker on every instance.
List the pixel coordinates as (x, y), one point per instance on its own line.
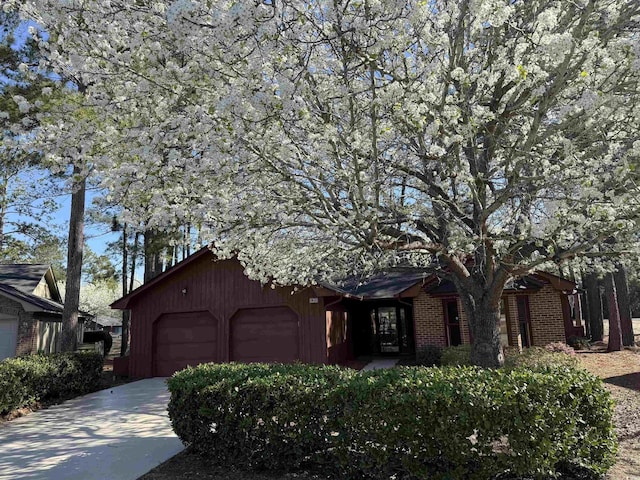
(119, 433)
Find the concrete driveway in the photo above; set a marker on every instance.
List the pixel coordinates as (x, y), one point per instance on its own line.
(120, 433)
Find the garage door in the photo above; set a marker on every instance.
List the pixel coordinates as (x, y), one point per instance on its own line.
(264, 335)
(183, 339)
(8, 338)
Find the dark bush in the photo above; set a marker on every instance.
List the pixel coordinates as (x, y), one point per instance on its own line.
(579, 343)
(456, 356)
(97, 336)
(429, 356)
(29, 379)
(412, 422)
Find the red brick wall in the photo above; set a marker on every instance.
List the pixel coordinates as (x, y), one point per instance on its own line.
(428, 320)
(546, 319)
(27, 336)
(547, 323)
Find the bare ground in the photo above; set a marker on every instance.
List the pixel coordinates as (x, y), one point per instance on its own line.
(621, 373)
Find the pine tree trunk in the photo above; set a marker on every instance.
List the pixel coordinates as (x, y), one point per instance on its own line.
(125, 277)
(134, 260)
(615, 333)
(3, 211)
(153, 251)
(594, 301)
(624, 305)
(69, 337)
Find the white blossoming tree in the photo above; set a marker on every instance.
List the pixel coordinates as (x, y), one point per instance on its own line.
(319, 138)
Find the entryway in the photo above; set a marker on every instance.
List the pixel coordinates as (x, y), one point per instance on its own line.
(382, 328)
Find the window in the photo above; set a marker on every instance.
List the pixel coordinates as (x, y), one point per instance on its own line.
(524, 320)
(452, 322)
(336, 327)
(504, 329)
(388, 330)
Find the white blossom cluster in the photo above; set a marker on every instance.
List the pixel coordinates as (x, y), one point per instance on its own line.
(316, 139)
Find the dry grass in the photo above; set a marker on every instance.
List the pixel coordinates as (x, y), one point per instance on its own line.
(621, 373)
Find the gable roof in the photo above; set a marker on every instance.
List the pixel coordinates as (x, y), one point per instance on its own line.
(385, 285)
(108, 321)
(30, 302)
(19, 281)
(389, 284)
(122, 303)
(22, 276)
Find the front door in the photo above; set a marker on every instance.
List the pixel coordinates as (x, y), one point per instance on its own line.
(392, 331)
(388, 330)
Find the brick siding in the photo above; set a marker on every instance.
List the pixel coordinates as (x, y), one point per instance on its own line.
(428, 319)
(545, 309)
(547, 324)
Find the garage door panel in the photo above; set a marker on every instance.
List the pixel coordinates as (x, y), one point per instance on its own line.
(185, 334)
(187, 351)
(265, 335)
(8, 338)
(183, 339)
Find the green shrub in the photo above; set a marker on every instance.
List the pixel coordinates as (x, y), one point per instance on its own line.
(429, 356)
(456, 356)
(414, 422)
(541, 358)
(26, 380)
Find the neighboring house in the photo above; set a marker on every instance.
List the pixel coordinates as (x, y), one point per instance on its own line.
(30, 310)
(207, 310)
(112, 325)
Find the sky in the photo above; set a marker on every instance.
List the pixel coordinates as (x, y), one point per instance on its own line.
(96, 237)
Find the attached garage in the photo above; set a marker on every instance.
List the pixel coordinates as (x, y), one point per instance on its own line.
(206, 310)
(8, 337)
(264, 335)
(182, 339)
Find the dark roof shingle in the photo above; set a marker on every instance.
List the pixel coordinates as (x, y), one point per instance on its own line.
(23, 277)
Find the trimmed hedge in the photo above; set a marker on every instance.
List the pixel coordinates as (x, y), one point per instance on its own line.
(541, 358)
(458, 356)
(29, 379)
(413, 422)
(429, 356)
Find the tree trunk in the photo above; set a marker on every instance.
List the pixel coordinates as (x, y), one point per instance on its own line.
(153, 251)
(594, 304)
(483, 316)
(69, 337)
(615, 333)
(188, 239)
(624, 305)
(134, 259)
(3, 210)
(125, 277)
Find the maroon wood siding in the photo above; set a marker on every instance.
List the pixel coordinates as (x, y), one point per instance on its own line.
(219, 289)
(338, 334)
